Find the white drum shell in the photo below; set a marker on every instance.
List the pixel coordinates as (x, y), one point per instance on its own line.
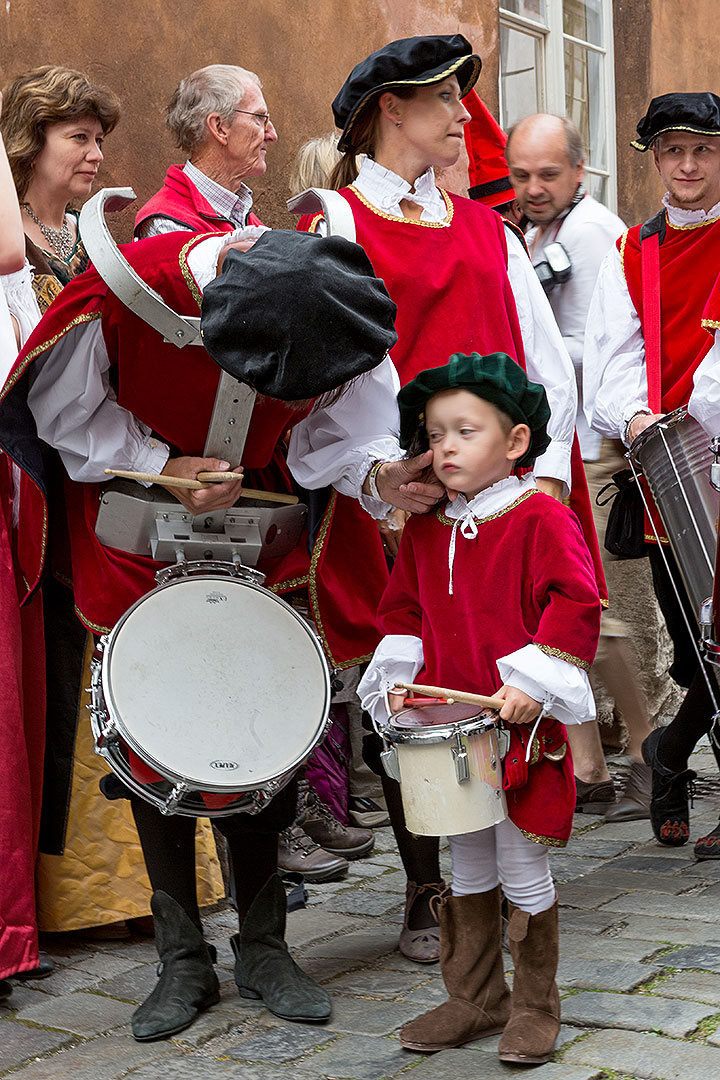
(435, 803)
(216, 684)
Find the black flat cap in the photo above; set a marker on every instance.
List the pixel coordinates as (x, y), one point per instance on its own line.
(697, 113)
(414, 61)
(495, 378)
(297, 315)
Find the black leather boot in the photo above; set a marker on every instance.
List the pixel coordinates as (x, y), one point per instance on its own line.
(187, 984)
(264, 967)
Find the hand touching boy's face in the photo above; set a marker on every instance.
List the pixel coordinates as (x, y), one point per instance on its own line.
(474, 444)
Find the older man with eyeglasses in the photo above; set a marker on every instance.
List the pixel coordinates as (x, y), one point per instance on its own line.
(219, 118)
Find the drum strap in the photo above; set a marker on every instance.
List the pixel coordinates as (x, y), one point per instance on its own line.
(650, 270)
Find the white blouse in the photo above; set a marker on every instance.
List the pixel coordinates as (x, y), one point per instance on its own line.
(546, 357)
(563, 688)
(614, 375)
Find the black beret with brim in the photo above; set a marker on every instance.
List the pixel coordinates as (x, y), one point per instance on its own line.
(696, 113)
(495, 378)
(415, 61)
(297, 315)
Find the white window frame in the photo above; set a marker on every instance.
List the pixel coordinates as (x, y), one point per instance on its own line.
(552, 77)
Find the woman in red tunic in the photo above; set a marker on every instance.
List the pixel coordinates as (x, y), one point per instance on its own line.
(459, 280)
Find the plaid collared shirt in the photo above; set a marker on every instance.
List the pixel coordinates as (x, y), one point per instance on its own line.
(231, 205)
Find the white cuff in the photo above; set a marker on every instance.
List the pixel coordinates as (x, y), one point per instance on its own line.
(152, 457)
(563, 688)
(398, 657)
(555, 464)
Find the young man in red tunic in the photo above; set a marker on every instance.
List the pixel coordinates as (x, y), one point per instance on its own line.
(515, 613)
(102, 388)
(684, 133)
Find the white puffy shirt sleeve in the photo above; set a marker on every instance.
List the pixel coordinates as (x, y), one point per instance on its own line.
(704, 402)
(614, 376)
(546, 361)
(338, 444)
(76, 411)
(563, 688)
(398, 658)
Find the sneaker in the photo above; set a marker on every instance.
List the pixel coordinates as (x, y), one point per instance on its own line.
(368, 813)
(326, 830)
(299, 853)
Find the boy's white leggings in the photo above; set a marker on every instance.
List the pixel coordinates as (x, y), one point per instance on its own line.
(502, 855)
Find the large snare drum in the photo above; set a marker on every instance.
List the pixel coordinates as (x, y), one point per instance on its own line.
(209, 692)
(675, 457)
(447, 760)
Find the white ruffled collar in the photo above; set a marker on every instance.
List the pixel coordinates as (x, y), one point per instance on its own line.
(386, 190)
(680, 217)
(489, 501)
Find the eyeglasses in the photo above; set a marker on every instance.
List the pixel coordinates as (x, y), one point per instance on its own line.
(264, 118)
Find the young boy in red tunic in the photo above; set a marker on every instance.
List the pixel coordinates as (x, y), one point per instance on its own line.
(496, 589)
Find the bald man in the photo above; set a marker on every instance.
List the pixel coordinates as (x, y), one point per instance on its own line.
(546, 157)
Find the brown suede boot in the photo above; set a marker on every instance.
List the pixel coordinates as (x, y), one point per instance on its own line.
(529, 1038)
(472, 969)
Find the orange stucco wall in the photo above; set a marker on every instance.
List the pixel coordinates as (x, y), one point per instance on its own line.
(301, 50)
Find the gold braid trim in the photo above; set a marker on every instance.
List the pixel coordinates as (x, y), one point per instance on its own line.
(290, 583)
(651, 538)
(710, 324)
(77, 321)
(623, 242)
(491, 517)
(185, 269)
(411, 221)
(91, 625)
(547, 841)
(315, 222)
(689, 228)
(561, 655)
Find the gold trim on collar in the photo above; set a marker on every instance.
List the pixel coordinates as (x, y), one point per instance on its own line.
(561, 655)
(689, 228)
(491, 517)
(410, 221)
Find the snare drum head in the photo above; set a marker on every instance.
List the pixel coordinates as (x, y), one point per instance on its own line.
(433, 715)
(216, 681)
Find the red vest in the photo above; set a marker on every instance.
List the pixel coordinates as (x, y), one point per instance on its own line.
(689, 262)
(180, 200)
(172, 391)
(449, 282)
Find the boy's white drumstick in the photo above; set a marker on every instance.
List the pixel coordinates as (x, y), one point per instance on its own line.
(204, 478)
(453, 695)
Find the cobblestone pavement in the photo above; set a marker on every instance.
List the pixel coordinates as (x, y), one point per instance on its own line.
(639, 972)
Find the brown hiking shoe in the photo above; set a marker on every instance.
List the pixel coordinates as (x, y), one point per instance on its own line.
(298, 852)
(320, 824)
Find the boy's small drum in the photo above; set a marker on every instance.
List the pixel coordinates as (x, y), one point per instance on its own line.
(447, 760)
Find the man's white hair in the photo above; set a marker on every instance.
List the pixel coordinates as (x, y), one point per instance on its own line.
(218, 88)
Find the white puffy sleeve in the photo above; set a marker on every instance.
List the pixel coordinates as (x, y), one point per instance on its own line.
(563, 688)
(398, 658)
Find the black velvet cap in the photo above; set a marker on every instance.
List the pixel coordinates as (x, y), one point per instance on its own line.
(697, 113)
(415, 61)
(495, 378)
(297, 315)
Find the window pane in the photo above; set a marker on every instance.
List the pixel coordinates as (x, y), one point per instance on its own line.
(531, 9)
(584, 100)
(520, 75)
(583, 19)
(596, 186)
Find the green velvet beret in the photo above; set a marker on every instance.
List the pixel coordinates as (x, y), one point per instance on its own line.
(495, 378)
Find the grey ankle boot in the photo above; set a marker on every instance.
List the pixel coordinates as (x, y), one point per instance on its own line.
(265, 969)
(187, 984)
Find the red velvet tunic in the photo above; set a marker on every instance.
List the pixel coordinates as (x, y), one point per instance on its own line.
(173, 391)
(689, 261)
(180, 200)
(452, 291)
(525, 579)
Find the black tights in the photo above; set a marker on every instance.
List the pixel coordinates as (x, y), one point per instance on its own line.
(168, 844)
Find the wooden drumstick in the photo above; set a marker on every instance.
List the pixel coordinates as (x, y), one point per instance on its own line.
(204, 479)
(453, 695)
